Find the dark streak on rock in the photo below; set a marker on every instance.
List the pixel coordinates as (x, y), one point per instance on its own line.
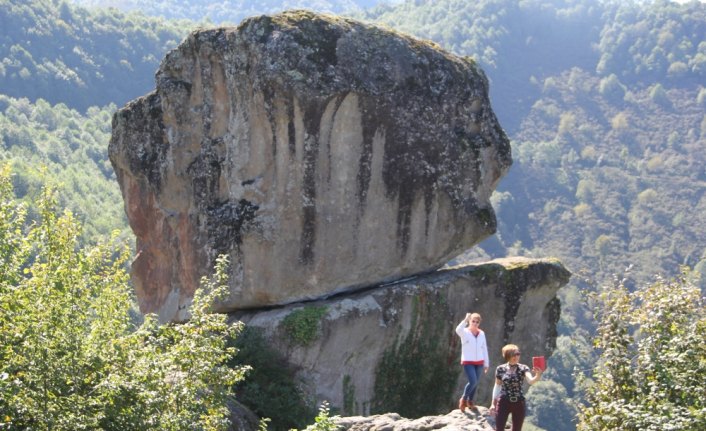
(338, 100)
(369, 110)
(553, 310)
(312, 124)
(149, 152)
(291, 130)
(227, 221)
(512, 286)
(268, 96)
(205, 172)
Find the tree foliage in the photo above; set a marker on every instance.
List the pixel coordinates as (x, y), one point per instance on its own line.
(42, 140)
(548, 406)
(652, 359)
(271, 389)
(66, 54)
(226, 11)
(653, 42)
(71, 355)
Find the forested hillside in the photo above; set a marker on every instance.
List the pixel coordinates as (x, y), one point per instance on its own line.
(52, 143)
(228, 11)
(63, 70)
(64, 54)
(604, 102)
(605, 106)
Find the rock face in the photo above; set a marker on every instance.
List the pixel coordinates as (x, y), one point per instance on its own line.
(394, 348)
(321, 154)
(476, 420)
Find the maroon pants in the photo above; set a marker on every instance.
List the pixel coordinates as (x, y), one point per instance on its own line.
(507, 407)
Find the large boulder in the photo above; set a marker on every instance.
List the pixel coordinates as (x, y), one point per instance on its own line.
(321, 154)
(394, 348)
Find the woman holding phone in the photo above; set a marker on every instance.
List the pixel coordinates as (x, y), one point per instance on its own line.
(507, 393)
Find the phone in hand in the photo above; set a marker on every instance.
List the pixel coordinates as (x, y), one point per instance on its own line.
(539, 362)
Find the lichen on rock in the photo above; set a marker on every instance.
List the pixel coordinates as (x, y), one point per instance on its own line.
(321, 154)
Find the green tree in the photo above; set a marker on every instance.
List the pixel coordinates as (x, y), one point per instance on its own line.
(652, 359)
(659, 95)
(612, 89)
(548, 406)
(71, 356)
(271, 389)
(72, 149)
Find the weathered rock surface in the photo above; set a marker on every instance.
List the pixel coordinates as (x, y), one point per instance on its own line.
(321, 154)
(242, 418)
(394, 348)
(471, 420)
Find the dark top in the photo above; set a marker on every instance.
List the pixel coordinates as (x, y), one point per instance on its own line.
(512, 378)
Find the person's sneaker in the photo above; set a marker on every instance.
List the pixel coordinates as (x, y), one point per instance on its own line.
(461, 404)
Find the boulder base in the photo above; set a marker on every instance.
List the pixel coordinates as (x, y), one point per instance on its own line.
(394, 348)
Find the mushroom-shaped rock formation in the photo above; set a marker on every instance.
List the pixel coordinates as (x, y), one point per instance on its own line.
(320, 154)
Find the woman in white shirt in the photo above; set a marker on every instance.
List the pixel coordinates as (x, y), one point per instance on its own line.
(474, 356)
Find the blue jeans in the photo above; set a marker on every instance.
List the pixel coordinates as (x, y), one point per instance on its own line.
(473, 372)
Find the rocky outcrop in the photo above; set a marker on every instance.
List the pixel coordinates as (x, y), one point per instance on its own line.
(321, 154)
(471, 420)
(394, 349)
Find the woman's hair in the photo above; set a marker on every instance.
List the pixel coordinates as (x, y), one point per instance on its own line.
(476, 315)
(509, 350)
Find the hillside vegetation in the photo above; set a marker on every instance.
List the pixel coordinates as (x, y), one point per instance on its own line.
(605, 108)
(52, 143)
(604, 102)
(63, 54)
(226, 11)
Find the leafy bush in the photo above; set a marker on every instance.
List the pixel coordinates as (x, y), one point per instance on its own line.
(659, 95)
(612, 89)
(271, 390)
(71, 357)
(652, 359)
(323, 421)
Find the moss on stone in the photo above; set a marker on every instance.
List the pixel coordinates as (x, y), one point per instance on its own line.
(416, 376)
(348, 396)
(302, 326)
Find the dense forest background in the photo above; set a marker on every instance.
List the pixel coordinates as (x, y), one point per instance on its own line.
(604, 102)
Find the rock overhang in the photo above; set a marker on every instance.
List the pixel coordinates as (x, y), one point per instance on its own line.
(320, 153)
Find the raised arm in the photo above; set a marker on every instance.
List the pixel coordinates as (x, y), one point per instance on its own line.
(463, 324)
(533, 379)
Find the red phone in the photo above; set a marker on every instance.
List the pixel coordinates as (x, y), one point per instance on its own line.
(539, 362)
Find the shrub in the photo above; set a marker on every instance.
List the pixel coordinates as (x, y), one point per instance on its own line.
(647, 197)
(71, 356)
(271, 389)
(323, 421)
(701, 97)
(652, 357)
